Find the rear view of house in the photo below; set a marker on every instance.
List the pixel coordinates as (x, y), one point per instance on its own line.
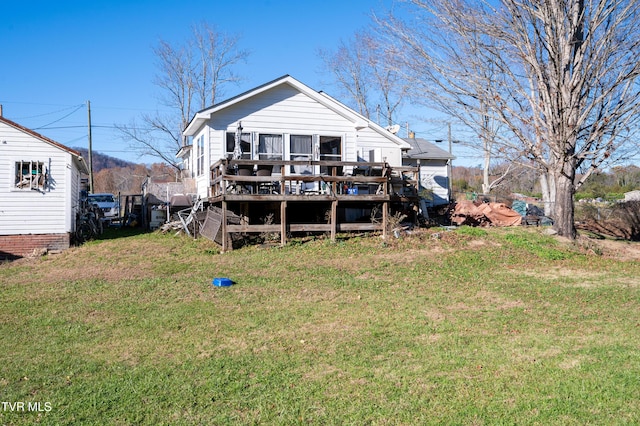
(40, 184)
(284, 158)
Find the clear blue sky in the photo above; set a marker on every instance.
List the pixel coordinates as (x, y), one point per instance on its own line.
(57, 55)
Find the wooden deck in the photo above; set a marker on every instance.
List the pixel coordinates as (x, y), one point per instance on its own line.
(308, 196)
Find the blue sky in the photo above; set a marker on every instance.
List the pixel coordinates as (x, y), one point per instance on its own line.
(57, 55)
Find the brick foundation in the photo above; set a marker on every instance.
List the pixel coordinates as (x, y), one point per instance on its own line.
(13, 246)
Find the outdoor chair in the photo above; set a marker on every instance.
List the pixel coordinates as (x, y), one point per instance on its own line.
(265, 187)
(244, 187)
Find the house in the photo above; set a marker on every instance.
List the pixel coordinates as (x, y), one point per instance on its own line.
(434, 168)
(284, 120)
(286, 151)
(40, 184)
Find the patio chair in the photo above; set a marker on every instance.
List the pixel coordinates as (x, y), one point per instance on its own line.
(265, 187)
(244, 187)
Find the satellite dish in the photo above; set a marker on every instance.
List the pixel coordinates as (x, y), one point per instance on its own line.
(393, 129)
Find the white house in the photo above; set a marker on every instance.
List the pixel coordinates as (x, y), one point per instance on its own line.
(40, 183)
(434, 168)
(284, 120)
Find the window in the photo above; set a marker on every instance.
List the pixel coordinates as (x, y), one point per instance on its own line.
(270, 147)
(30, 175)
(200, 155)
(301, 149)
(245, 145)
(330, 150)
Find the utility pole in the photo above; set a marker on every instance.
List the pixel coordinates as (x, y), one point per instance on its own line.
(450, 167)
(90, 150)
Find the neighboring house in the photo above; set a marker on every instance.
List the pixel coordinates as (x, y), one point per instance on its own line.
(40, 184)
(434, 170)
(284, 120)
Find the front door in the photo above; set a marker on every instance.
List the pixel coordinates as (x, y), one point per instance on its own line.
(330, 150)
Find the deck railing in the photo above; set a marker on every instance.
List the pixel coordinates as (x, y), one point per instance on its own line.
(312, 178)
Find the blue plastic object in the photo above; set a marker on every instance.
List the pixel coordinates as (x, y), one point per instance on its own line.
(222, 282)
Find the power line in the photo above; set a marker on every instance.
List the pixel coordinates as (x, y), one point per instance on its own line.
(104, 126)
(49, 113)
(60, 119)
(66, 107)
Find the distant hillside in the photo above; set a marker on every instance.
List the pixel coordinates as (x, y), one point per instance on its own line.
(102, 161)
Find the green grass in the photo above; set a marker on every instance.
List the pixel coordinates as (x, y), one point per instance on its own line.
(503, 326)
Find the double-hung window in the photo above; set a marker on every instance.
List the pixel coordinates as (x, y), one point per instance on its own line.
(200, 156)
(270, 147)
(301, 149)
(245, 145)
(330, 150)
(30, 175)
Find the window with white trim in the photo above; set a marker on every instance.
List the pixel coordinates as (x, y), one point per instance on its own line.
(245, 145)
(270, 147)
(30, 175)
(300, 149)
(330, 150)
(200, 156)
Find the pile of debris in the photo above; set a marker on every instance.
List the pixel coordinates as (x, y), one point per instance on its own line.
(497, 214)
(197, 222)
(621, 222)
(484, 214)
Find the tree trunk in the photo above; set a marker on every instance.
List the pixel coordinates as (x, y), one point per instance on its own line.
(564, 207)
(548, 188)
(485, 172)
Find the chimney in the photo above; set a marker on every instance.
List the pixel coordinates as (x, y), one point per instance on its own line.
(0, 110)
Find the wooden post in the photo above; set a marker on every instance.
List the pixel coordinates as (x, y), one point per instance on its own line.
(334, 184)
(334, 219)
(385, 219)
(385, 205)
(283, 223)
(224, 226)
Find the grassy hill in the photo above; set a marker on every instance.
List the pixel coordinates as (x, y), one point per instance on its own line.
(505, 326)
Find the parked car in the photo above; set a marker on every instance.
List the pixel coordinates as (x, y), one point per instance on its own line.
(108, 203)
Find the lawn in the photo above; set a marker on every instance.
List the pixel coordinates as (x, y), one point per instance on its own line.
(473, 326)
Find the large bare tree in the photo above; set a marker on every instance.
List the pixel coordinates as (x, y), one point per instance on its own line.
(560, 75)
(191, 76)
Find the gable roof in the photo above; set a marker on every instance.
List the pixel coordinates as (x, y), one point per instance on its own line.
(358, 120)
(424, 150)
(75, 154)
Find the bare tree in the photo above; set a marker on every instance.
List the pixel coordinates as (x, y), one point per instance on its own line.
(563, 80)
(348, 65)
(363, 70)
(191, 76)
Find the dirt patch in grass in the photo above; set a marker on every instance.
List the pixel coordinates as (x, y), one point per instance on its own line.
(616, 249)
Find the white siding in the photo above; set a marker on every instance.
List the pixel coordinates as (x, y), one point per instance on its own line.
(30, 211)
(73, 197)
(369, 140)
(433, 176)
(284, 110)
(202, 180)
